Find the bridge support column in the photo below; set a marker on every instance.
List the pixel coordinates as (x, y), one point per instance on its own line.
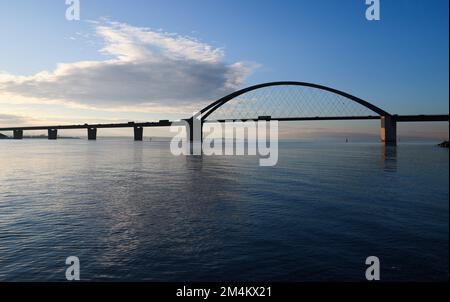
(138, 133)
(18, 134)
(195, 135)
(195, 131)
(389, 130)
(52, 134)
(92, 134)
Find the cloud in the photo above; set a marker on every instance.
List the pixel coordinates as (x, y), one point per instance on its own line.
(8, 119)
(143, 68)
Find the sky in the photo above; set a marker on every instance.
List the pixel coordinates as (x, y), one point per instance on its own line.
(149, 60)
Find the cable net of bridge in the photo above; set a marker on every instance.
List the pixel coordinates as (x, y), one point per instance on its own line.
(289, 102)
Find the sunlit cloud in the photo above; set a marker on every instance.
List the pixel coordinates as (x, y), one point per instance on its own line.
(143, 70)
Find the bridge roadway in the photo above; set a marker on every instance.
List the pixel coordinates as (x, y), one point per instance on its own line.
(138, 127)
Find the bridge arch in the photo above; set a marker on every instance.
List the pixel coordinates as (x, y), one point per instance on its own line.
(215, 106)
(335, 97)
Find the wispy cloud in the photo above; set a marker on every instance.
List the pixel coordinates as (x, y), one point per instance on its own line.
(143, 69)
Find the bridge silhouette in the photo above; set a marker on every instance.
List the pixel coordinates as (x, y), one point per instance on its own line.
(277, 101)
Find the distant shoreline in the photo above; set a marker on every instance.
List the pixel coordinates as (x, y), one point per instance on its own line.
(2, 136)
(444, 144)
(432, 141)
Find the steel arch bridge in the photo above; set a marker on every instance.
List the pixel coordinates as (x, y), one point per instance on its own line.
(281, 101)
(302, 99)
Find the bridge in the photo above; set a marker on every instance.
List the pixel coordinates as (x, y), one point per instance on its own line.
(277, 101)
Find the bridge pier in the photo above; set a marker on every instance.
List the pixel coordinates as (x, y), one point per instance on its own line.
(389, 130)
(190, 130)
(195, 131)
(138, 133)
(194, 134)
(92, 134)
(52, 134)
(18, 134)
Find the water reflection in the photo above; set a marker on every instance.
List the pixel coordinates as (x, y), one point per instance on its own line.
(389, 158)
(136, 212)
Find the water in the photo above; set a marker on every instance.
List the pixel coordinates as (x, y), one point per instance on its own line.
(133, 212)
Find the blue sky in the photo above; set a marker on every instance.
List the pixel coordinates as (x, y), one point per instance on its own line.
(399, 63)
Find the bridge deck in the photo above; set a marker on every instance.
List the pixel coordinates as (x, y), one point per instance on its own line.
(166, 123)
(88, 126)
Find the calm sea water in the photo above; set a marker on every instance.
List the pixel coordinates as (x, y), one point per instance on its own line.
(133, 212)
